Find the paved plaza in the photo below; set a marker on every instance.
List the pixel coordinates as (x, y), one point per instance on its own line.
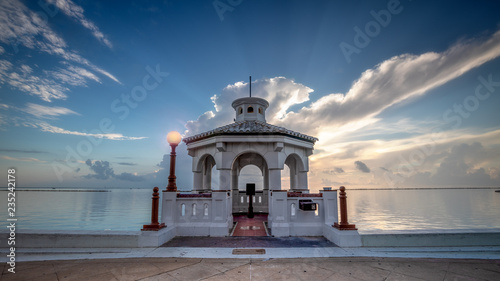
(257, 269)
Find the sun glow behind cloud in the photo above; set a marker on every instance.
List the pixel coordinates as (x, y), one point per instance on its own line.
(63, 62)
(340, 119)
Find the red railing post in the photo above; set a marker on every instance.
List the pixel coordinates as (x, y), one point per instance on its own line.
(155, 225)
(344, 224)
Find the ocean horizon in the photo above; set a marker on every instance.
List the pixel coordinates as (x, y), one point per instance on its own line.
(127, 209)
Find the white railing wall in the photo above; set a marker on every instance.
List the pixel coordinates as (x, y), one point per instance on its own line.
(287, 219)
(207, 214)
(260, 201)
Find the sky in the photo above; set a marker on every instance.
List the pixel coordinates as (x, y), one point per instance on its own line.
(399, 93)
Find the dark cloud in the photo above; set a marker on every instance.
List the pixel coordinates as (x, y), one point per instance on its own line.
(103, 171)
(334, 171)
(183, 171)
(362, 167)
(165, 162)
(129, 177)
(127, 164)
(385, 169)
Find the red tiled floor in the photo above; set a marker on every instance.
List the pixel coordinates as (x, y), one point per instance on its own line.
(250, 227)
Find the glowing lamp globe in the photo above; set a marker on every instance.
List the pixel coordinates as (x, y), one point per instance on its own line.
(174, 138)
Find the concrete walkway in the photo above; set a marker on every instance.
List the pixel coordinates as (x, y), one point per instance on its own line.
(254, 259)
(375, 268)
(43, 254)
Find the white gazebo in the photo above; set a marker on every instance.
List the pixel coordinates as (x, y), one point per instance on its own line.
(208, 210)
(250, 140)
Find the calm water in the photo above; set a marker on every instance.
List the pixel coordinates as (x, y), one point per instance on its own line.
(129, 209)
(119, 209)
(424, 209)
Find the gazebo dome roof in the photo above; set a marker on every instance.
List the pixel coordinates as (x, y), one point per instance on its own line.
(250, 127)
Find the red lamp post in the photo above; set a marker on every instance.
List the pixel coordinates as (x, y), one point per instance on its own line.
(155, 225)
(173, 138)
(344, 224)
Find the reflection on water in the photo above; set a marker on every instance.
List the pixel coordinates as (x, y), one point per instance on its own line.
(116, 210)
(424, 209)
(129, 209)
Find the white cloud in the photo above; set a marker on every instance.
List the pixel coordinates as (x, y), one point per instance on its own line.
(280, 92)
(74, 76)
(462, 163)
(393, 81)
(45, 88)
(45, 127)
(22, 27)
(22, 159)
(42, 111)
(69, 8)
(347, 124)
(49, 87)
(390, 82)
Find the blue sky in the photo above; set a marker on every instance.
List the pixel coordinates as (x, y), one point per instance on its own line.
(400, 93)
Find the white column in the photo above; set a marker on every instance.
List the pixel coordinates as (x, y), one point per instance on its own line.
(169, 208)
(224, 179)
(207, 179)
(275, 179)
(302, 180)
(330, 206)
(221, 220)
(266, 179)
(197, 181)
(280, 222)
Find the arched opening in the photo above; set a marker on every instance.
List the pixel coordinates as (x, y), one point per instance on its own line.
(285, 178)
(251, 174)
(205, 210)
(297, 175)
(240, 110)
(250, 109)
(250, 167)
(204, 179)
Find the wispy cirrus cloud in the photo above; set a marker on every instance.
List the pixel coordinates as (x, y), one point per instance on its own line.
(22, 27)
(393, 81)
(22, 79)
(127, 164)
(74, 11)
(21, 151)
(42, 111)
(45, 127)
(22, 159)
(73, 75)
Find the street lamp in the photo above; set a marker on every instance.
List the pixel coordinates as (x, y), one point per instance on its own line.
(173, 138)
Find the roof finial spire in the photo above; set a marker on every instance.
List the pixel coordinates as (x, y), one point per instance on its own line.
(250, 85)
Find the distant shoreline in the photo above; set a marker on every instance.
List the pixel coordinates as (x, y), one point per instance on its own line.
(61, 190)
(421, 188)
(44, 189)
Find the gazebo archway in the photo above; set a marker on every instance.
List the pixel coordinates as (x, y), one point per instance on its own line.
(240, 199)
(297, 171)
(203, 173)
